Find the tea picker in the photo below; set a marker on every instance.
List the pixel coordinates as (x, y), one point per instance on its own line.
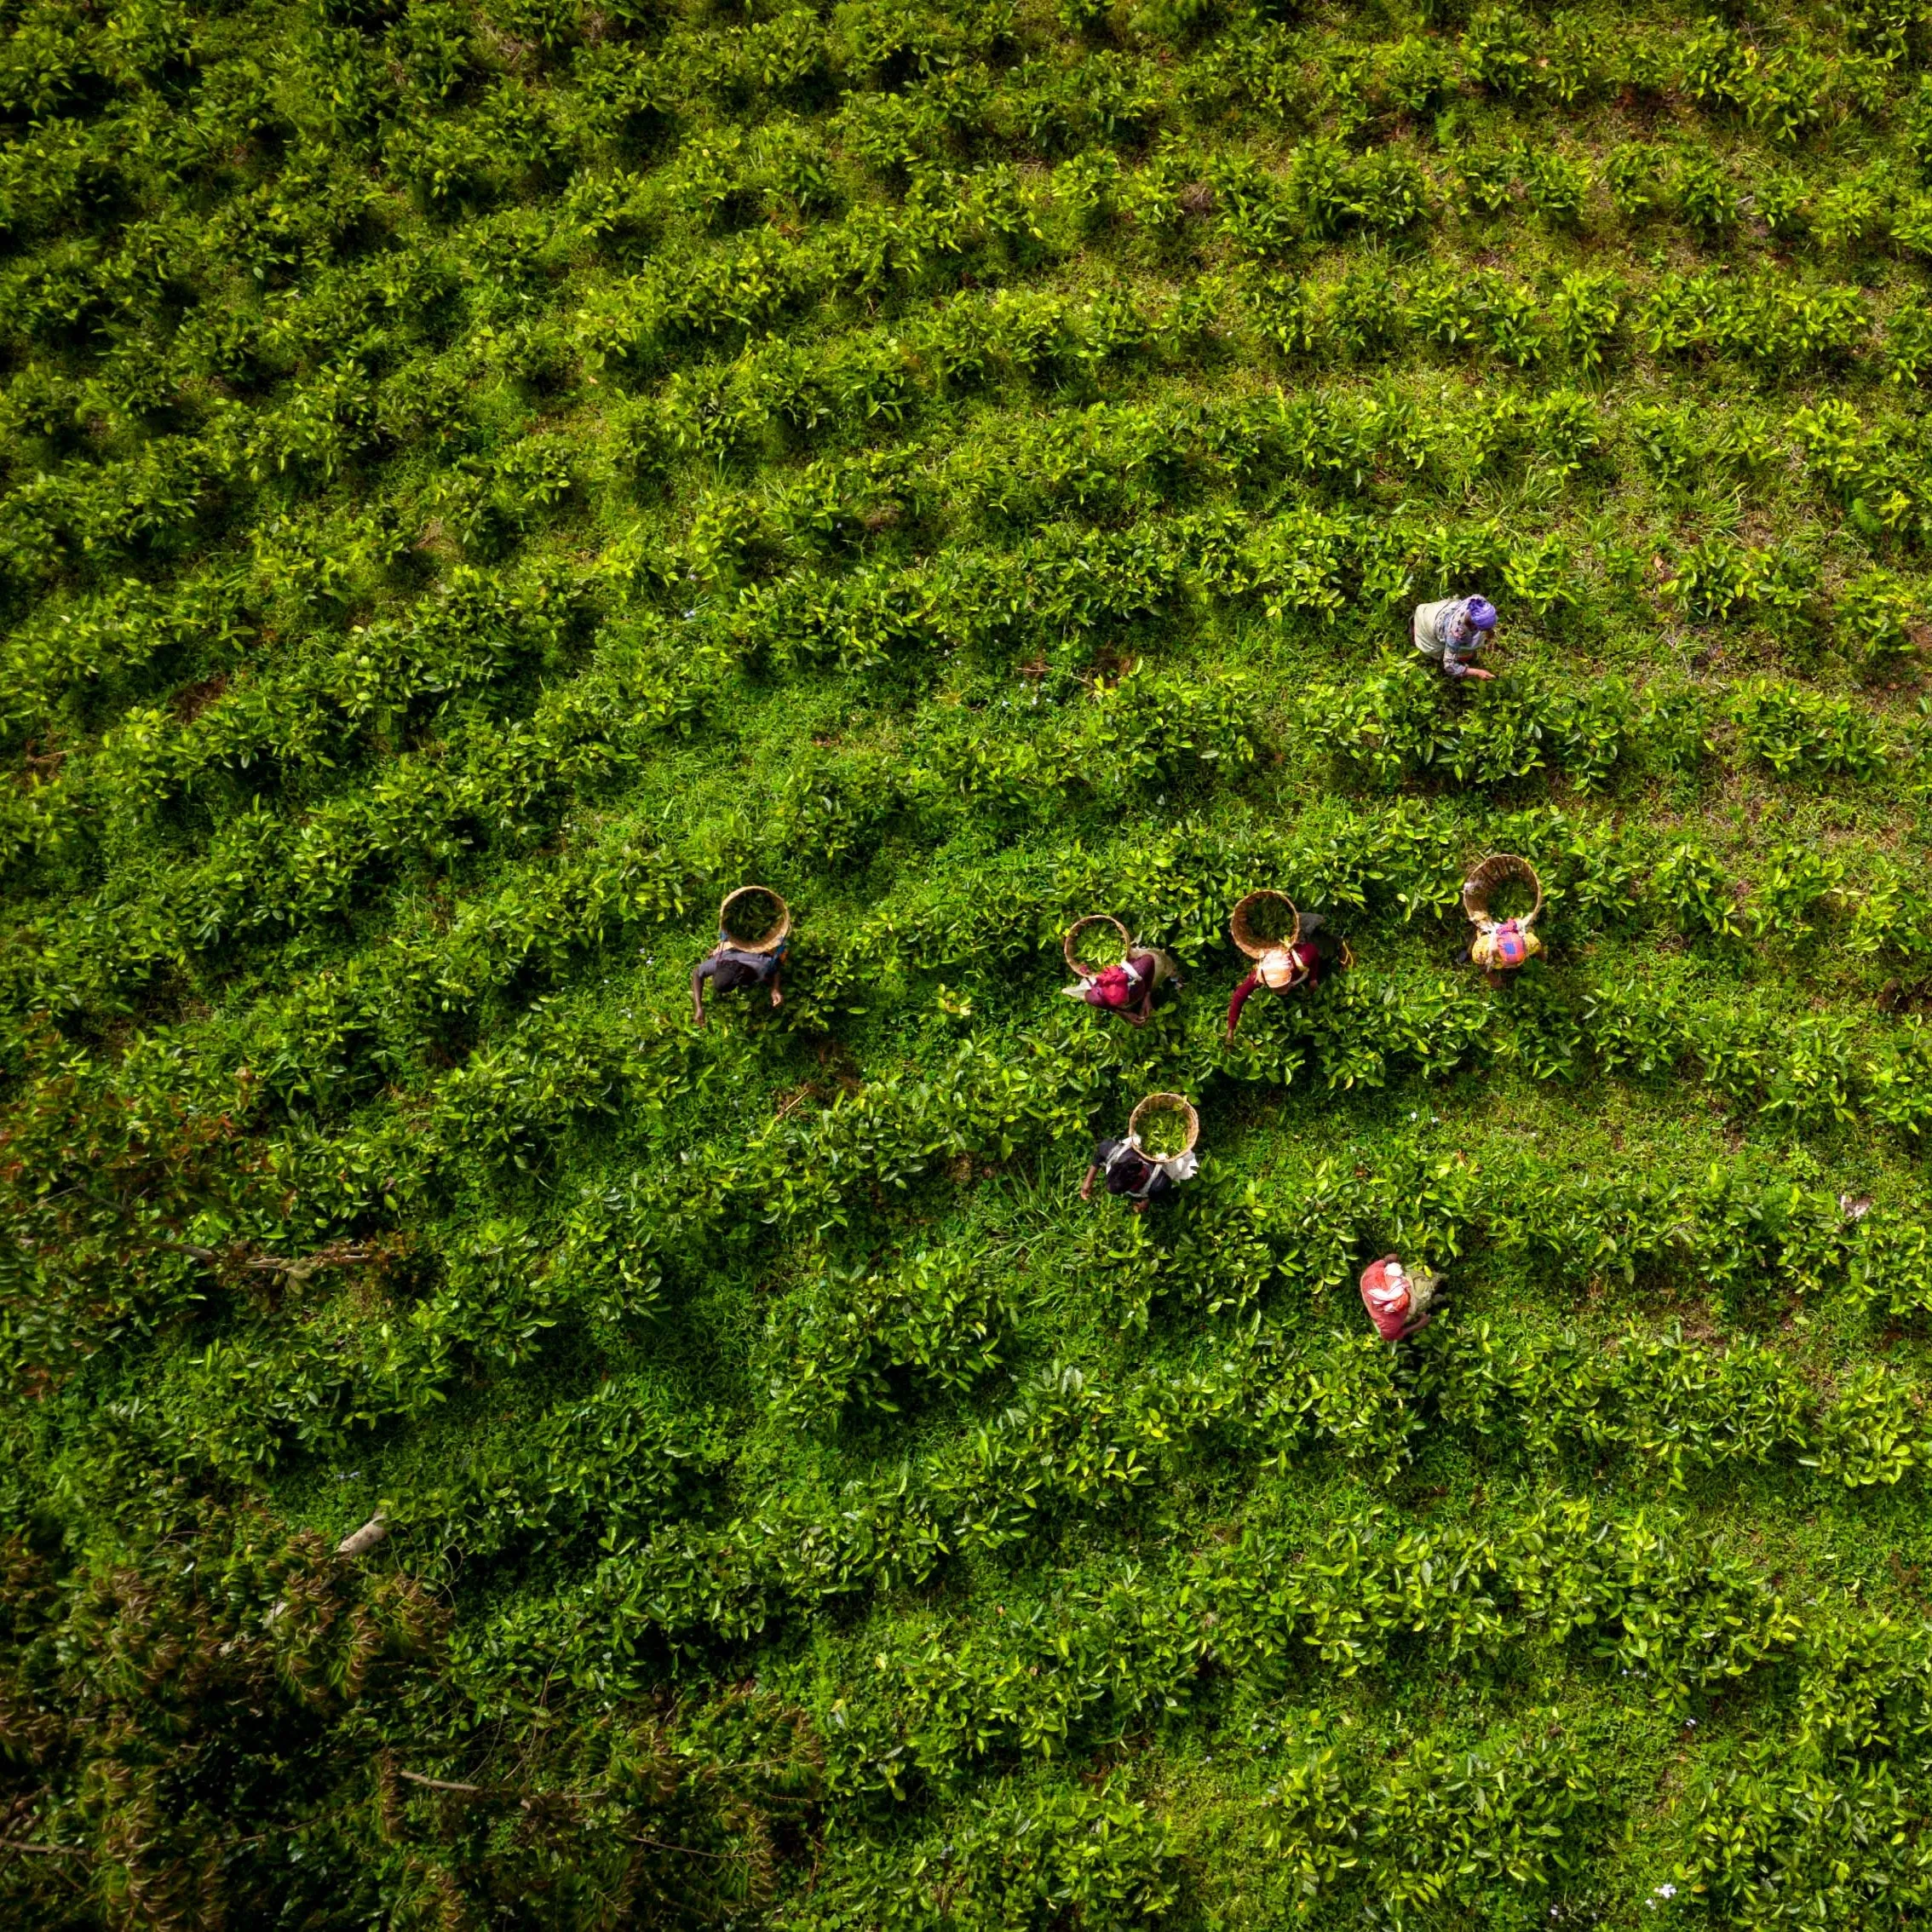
(1127, 988)
(1157, 1155)
(1281, 964)
(1453, 631)
(736, 961)
(1400, 1300)
(1502, 945)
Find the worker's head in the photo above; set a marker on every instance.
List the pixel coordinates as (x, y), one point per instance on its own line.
(1109, 988)
(1277, 967)
(1482, 614)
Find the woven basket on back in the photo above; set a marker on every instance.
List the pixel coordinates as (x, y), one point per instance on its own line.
(1071, 945)
(773, 939)
(1240, 924)
(1489, 874)
(1163, 1103)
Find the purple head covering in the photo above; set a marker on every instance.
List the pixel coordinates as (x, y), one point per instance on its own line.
(1481, 615)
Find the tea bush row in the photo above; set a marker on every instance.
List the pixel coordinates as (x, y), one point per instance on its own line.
(296, 722)
(1074, 1450)
(137, 508)
(933, 1327)
(1394, 726)
(102, 506)
(264, 876)
(1111, 1653)
(1014, 1857)
(457, 136)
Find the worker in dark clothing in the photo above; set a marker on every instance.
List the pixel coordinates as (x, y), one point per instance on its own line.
(1126, 1170)
(731, 967)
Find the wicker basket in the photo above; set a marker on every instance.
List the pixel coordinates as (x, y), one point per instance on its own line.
(1071, 945)
(1238, 924)
(772, 940)
(1162, 1103)
(1492, 873)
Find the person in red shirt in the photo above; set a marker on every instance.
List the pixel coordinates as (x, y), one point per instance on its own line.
(1128, 989)
(1284, 969)
(1399, 1301)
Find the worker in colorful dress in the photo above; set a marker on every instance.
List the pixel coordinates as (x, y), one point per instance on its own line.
(1400, 1301)
(1502, 946)
(1453, 632)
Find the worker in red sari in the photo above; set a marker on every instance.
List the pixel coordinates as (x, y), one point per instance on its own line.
(1400, 1300)
(1130, 988)
(1288, 969)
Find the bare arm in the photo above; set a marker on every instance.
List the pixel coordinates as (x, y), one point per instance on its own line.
(1239, 1000)
(1087, 1182)
(699, 973)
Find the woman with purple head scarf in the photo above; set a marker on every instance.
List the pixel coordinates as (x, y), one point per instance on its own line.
(1453, 631)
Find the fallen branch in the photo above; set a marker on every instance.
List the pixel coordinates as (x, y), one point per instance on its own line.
(360, 1542)
(440, 1784)
(689, 1851)
(335, 1255)
(338, 1254)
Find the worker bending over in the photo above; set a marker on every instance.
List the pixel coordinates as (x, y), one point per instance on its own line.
(1128, 989)
(1127, 1170)
(1453, 631)
(729, 967)
(1287, 968)
(1399, 1302)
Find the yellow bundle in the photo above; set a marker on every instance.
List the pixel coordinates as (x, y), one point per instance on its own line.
(1504, 945)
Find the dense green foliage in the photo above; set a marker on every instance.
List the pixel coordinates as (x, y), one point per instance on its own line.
(479, 482)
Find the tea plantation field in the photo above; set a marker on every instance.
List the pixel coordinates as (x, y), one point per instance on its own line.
(480, 480)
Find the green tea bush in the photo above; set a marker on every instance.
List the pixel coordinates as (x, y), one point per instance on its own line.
(477, 485)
